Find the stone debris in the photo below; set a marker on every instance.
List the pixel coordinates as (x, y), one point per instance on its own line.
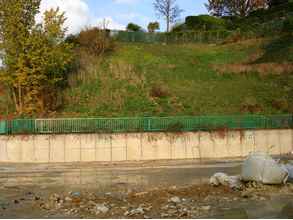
(75, 194)
(140, 194)
(101, 208)
(175, 200)
(206, 208)
(134, 212)
(68, 199)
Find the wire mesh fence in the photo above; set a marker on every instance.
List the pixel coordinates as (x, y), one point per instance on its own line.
(176, 37)
(217, 36)
(143, 124)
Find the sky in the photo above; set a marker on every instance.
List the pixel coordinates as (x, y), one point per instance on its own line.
(116, 13)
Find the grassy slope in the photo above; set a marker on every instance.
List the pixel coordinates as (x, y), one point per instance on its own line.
(127, 82)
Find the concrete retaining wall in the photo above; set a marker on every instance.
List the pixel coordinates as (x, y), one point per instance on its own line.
(143, 146)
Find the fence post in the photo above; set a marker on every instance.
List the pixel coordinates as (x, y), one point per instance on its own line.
(8, 127)
(147, 124)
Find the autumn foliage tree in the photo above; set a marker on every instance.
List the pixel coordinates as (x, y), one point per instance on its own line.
(239, 8)
(35, 56)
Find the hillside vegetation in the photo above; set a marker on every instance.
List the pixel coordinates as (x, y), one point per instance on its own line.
(252, 76)
(46, 73)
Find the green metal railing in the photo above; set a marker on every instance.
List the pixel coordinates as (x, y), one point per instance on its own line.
(143, 124)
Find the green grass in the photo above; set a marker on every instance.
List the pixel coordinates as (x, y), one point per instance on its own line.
(122, 84)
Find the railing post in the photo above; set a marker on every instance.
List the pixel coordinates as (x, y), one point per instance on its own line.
(147, 124)
(9, 127)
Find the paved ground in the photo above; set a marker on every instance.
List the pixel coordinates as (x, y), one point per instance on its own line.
(97, 175)
(132, 190)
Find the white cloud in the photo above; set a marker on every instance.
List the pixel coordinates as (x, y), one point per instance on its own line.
(77, 13)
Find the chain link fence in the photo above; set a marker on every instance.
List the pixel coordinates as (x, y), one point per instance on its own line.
(176, 37)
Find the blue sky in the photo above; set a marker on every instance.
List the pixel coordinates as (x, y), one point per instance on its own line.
(139, 11)
(118, 13)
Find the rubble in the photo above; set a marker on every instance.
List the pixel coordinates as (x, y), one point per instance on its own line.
(175, 200)
(205, 208)
(134, 212)
(101, 208)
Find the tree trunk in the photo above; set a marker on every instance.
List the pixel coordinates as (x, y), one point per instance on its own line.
(14, 91)
(168, 24)
(20, 104)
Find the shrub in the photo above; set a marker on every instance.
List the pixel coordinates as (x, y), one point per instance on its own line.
(281, 104)
(288, 25)
(158, 91)
(250, 105)
(175, 127)
(72, 39)
(95, 41)
(205, 22)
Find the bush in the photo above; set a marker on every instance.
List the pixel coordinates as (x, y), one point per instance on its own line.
(205, 22)
(175, 127)
(95, 41)
(159, 91)
(72, 39)
(288, 25)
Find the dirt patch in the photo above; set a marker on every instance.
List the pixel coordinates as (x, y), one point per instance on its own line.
(262, 69)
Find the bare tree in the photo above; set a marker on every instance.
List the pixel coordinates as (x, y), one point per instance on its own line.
(169, 10)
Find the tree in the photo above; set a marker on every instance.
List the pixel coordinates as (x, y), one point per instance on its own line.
(133, 27)
(169, 10)
(239, 8)
(35, 56)
(153, 26)
(273, 3)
